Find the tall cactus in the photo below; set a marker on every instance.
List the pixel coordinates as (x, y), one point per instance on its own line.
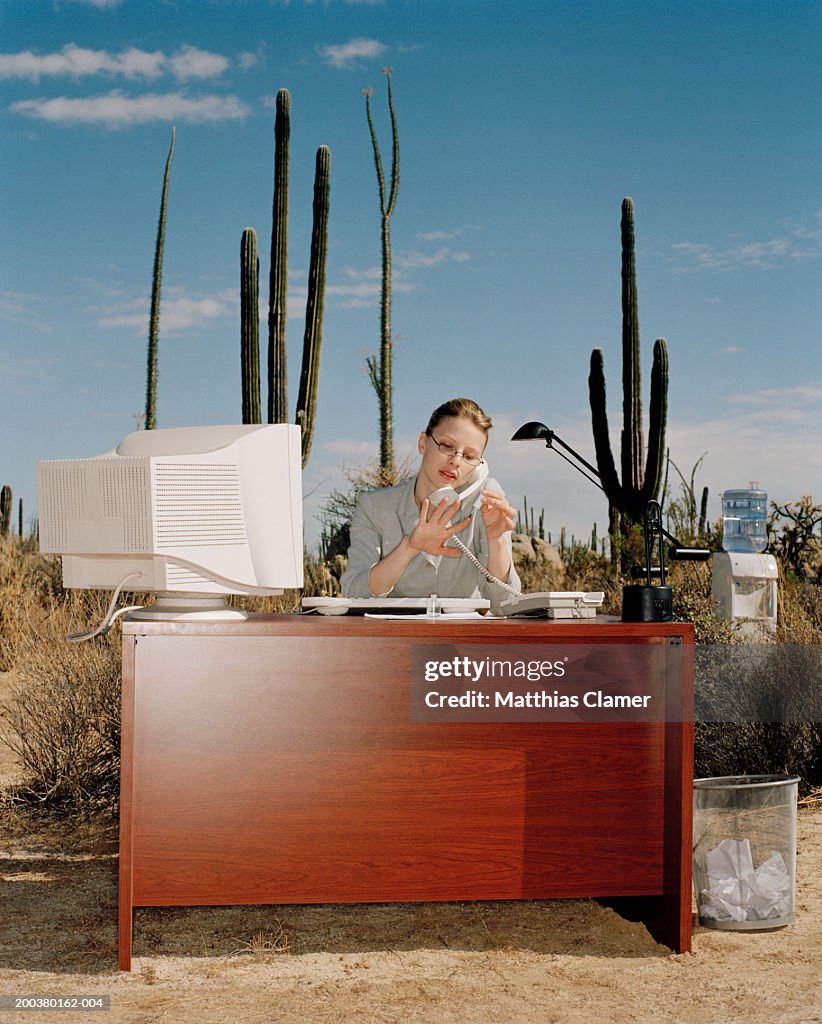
(6, 501)
(278, 274)
(315, 303)
(380, 372)
(638, 485)
(154, 316)
(250, 326)
(278, 282)
(20, 518)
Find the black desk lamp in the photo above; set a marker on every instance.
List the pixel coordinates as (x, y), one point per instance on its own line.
(647, 602)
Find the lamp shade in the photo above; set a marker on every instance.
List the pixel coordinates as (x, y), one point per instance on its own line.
(532, 431)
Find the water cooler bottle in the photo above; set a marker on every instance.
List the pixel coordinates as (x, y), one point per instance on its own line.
(743, 580)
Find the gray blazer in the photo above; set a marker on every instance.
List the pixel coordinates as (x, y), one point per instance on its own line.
(382, 518)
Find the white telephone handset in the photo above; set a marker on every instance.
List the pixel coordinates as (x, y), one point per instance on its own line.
(473, 486)
(472, 489)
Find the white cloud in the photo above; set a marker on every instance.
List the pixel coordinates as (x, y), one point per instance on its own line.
(781, 399)
(103, 5)
(346, 54)
(20, 308)
(799, 243)
(189, 62)
(248, 60)
(179, 311)
(437, 236)
(363, 287)
(78, 62)
(413, 259)
(116, 110)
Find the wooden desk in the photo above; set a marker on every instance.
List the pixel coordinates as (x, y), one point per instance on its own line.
(276, 761)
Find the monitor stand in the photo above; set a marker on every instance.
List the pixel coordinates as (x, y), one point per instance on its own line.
(172, 606)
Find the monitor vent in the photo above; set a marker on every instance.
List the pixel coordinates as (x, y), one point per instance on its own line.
(178, 577)
(63, 500)
(124, 496)
(198, 505)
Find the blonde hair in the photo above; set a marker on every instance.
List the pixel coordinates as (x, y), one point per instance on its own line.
(459, 407)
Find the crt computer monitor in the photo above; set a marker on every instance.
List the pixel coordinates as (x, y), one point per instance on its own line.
(195, 511)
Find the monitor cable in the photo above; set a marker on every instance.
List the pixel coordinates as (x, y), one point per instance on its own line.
(111, 616)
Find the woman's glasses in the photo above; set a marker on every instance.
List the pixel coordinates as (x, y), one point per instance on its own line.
(451, 452)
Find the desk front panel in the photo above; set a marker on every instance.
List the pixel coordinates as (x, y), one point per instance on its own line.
(286, 769)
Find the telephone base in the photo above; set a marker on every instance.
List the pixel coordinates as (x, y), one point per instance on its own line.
(555, 605)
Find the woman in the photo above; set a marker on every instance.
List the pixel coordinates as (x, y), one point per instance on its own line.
(399, 534)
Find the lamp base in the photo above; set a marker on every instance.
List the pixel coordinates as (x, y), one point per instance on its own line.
(647, 604)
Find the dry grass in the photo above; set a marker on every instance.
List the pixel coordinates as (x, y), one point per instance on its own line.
(264, 944)
(62, 720)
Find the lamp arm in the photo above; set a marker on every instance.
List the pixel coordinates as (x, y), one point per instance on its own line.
(681, 550)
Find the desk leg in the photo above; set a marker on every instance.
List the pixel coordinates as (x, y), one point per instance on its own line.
(668, 917)
(126, 879)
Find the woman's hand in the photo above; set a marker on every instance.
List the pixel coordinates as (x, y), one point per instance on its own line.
(499, 517)
(433, 530)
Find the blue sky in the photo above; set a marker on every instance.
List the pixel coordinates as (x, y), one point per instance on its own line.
(522, 126)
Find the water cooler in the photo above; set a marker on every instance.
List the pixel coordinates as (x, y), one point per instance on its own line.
(743, 579)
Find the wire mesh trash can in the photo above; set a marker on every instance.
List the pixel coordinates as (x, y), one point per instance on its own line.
(745, 851)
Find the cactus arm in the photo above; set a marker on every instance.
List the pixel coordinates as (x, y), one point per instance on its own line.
(312, 342)
(278, 276)
(156, 283)
(654, 467)
(375, 146)
(395, 154)
(250, 326)
(599, 421)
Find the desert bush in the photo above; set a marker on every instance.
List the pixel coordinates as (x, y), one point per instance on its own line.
(63, 719)
(795, 536)
(757, 705)
(29, 584)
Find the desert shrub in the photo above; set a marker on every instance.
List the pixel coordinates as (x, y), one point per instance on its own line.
(29, 584)
(691, 583)
(63, 719)
(758, 705)
(795, 533)
(759, 748)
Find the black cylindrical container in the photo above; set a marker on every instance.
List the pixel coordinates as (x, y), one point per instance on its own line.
(647, 604)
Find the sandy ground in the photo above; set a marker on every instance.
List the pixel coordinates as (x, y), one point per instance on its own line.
(562, 961)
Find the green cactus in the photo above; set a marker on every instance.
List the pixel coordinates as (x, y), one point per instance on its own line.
(20, 518)
(380, 372)
(638, 485)
(154, 316)
(6, 501)
(315, 304)
(278, 274)
(250, 326)
(278, 281)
